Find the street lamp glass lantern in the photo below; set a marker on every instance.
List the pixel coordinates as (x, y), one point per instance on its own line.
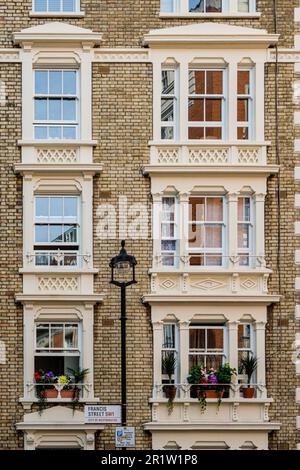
(123, 268)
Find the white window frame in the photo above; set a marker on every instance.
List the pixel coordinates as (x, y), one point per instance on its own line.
(249, 251)
(223, 97)
(169, 253)
(63, 220)
(174, 96)
(181, 7)
(174, 350)
(251, 108)
(60, 123)
(61, 10)
(204, 353)
(216, 251)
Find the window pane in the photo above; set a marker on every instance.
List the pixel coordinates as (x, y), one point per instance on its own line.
(243, 5)
(167, 133)
(243, 133)
(69, 132)
(196, 236)
(169, 337)
(214, 6)
(167, 6)
(213, 236)
(69, 110)
(213, 361)
(57, 336)
(196, 6)
(55, 110)
(244, 331)
(168, 245)
(40, 132)
(197, 209)
(243, 110)
(69, 82)
(42, 206)
(215, 339)
(213, 110)
(214, 82)
(69, 5)
(196, 133)
(70, 234)
(54, 5)
(243, 235)
(56, 207)
(243, 82)
(197, 338)
(56, 234)
(42, 260)
(214, 209)
(167, 230)
(40, 5)
(71, 336)
(167, 109)
(196, 110)
(42, 336)
(167, 82)
(55, 132)
(70, 207)
(41, 233)
(40, 110)
(244, 209)
(41, 82)
(212, 259)
(213, 133)
(197, 82)
(55, 82)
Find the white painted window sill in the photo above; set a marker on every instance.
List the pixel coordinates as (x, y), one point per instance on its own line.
(60, 14)
(210, 15)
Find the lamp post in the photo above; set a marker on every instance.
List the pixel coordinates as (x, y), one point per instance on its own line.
(123, 275)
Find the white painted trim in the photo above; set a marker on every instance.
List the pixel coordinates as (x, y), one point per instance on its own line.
(297, 312)
(263, 299)
(89, 299)
(45, 14)
(297, 200)
(179, 169)
(297, 283)
(207, 16)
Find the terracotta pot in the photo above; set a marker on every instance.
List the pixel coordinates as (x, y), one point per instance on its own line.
(69, 394)
(170, 391)
(213, 394)
(195, 391)
(248, 392)
(50, 393)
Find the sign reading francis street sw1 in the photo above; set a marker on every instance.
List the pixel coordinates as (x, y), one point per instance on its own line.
(102, 414)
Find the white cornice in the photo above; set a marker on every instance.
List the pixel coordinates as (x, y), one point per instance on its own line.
(121, 55)
(210, 33)
(261, 299)
(212, 169)
(58, 143)
(56, 32)
(215, 426)
(27, 168)
(63, 298)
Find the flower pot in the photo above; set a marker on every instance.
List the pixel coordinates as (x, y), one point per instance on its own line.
(170, 391)
(248, 392)
(73, 394)
(213, 394)
(195, 391)
(50, 393)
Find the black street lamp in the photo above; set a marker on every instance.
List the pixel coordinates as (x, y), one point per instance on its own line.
(123, 275)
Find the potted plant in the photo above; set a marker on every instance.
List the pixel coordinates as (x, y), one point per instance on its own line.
(45, 387)
(194, 378)
(168, 366)
(224, 375)
(66, 382)
(77, 376)
(248, 366)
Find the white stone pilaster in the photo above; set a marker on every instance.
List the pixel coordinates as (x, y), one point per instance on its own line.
(260, 328)
(184, 350)
(157, 347)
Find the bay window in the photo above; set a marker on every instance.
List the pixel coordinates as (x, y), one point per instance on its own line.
(56, 230)
(57, 347)
(168, 231)
(207, 346)
(206, 231)
(246, 346)
(193, 7)
(206, 104)
(245, 230)
(168, 104)
(56, 6)
(56, 104)
(244, 104)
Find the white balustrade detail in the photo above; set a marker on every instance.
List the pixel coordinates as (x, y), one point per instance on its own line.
(58, 284)
(208, 154)
(57, 155)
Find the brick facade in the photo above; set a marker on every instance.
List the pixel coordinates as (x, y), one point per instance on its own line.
(122, 124)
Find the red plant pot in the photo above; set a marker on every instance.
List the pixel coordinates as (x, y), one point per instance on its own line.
(50, 393)
(170, 391)
(69, 394)
(213, 394)
(248, 392)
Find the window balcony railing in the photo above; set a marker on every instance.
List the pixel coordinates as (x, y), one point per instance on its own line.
(80, 391)
(198, 262)
(208, 154)
(58, 259)
(187, 392)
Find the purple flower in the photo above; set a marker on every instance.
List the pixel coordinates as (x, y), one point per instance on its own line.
(212, 379)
